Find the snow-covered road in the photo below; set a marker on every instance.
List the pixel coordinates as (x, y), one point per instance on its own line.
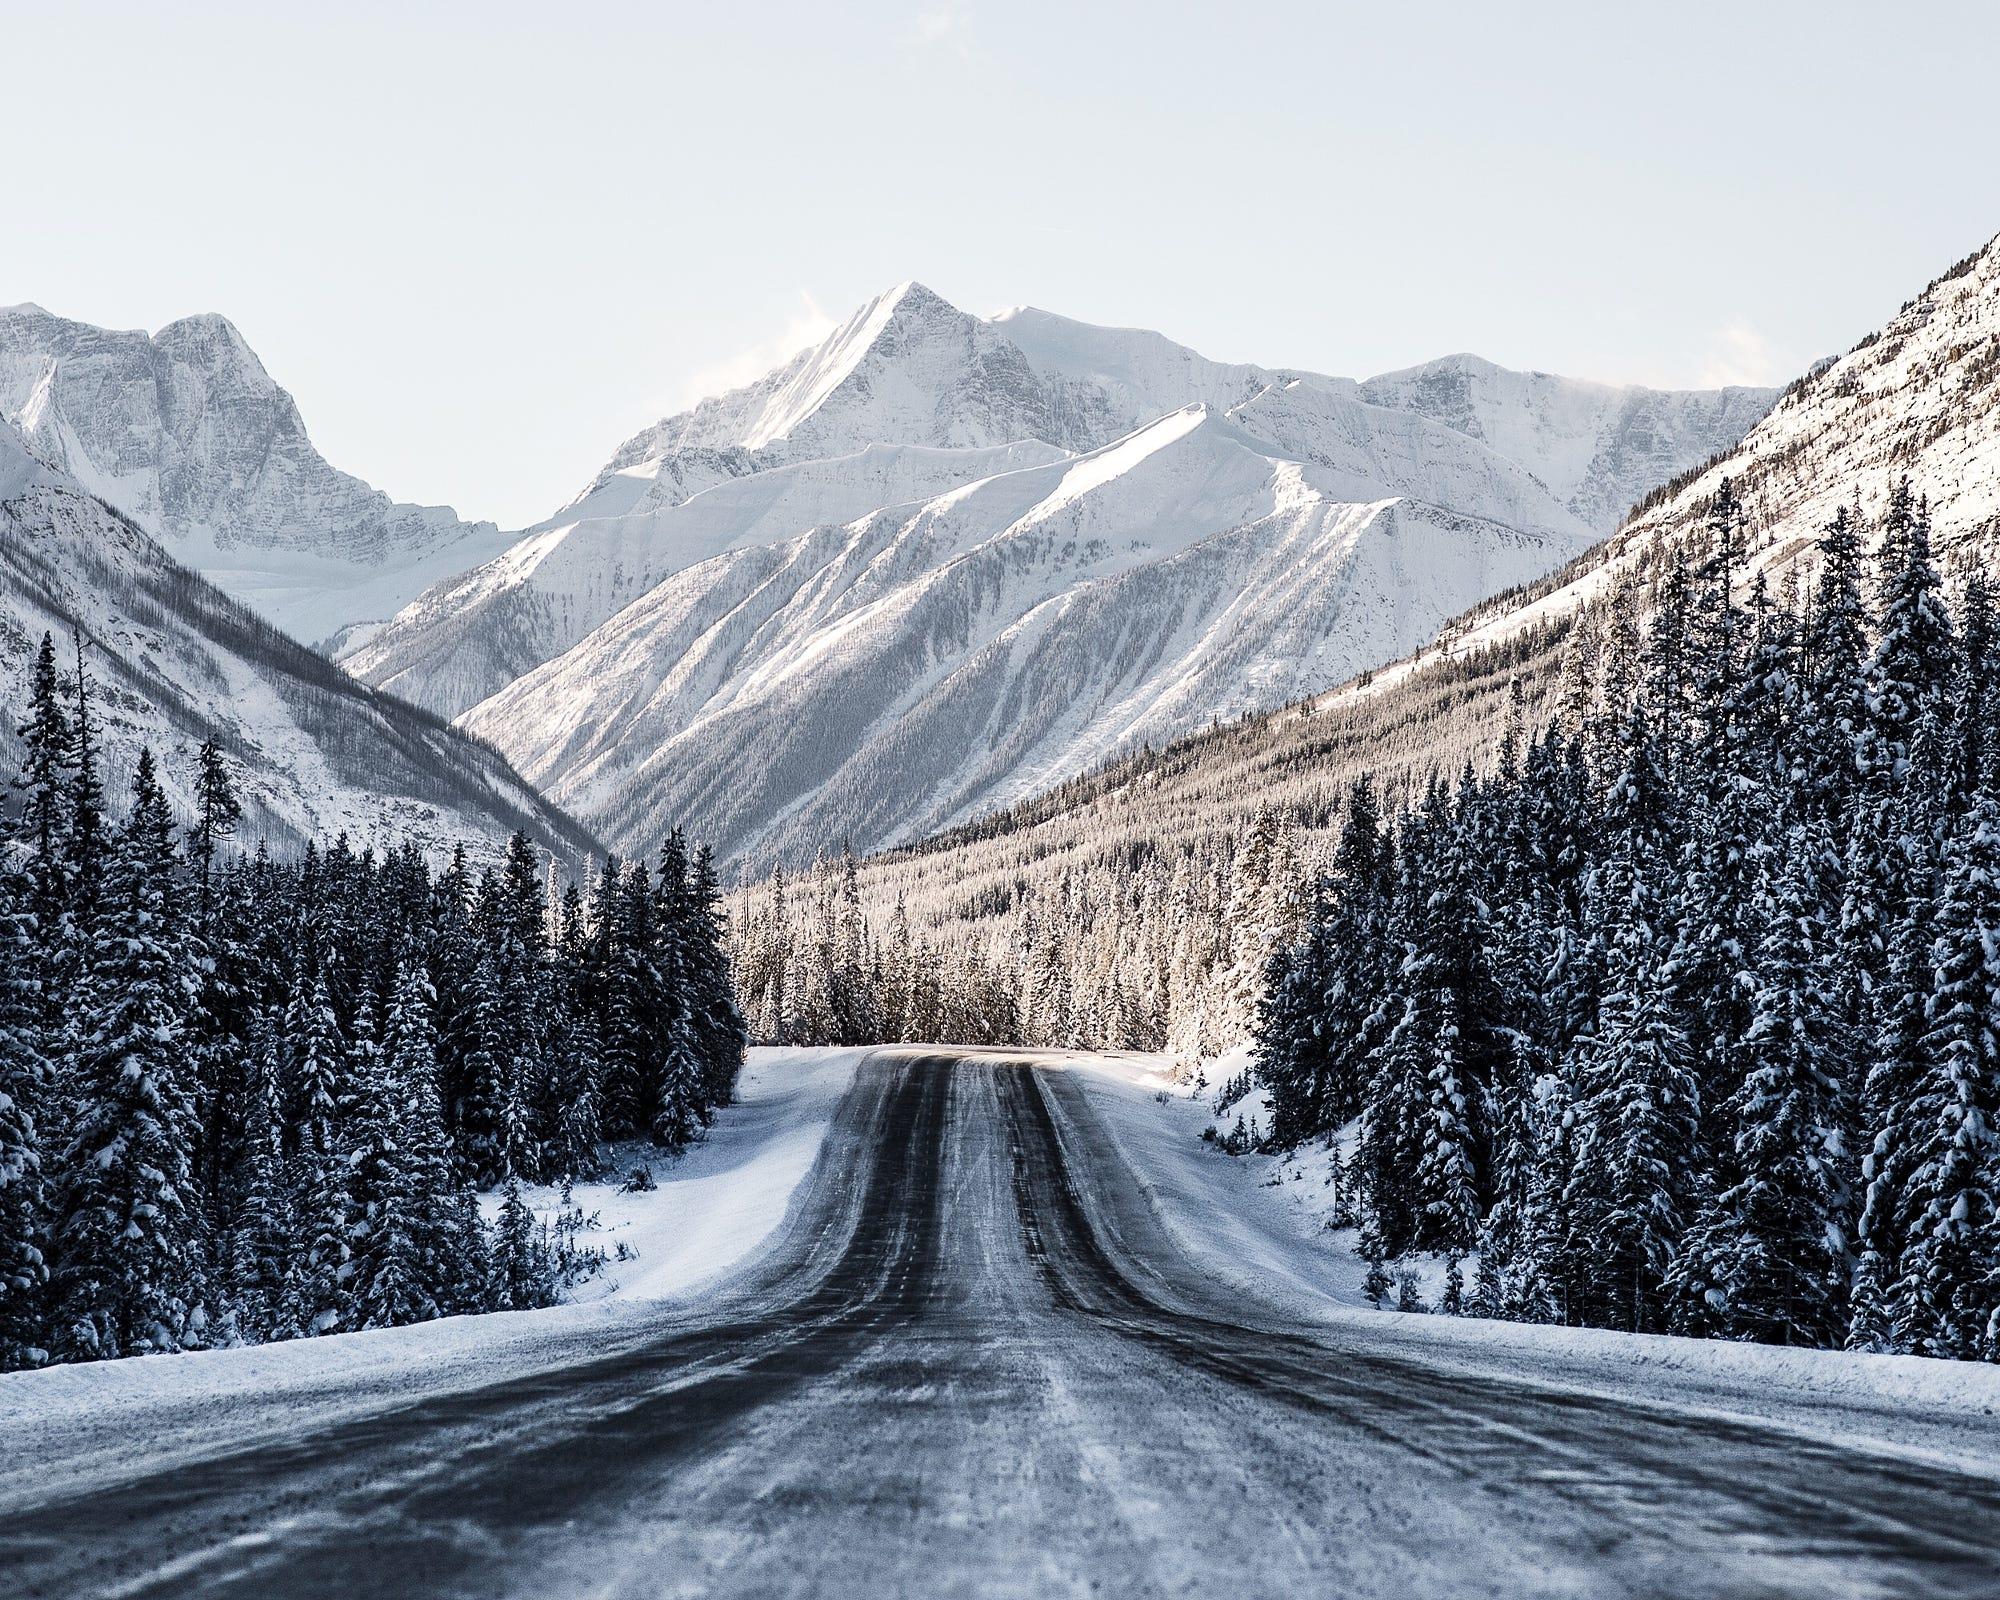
(980, 1355)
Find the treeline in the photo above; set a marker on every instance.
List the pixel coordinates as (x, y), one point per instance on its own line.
(1684, 1019)
(1084, 960)
(246, 1099)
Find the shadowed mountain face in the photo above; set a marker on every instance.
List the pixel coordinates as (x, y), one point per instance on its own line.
(173, 661)
(940, 562)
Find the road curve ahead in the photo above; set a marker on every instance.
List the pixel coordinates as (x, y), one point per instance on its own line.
(975, 1366)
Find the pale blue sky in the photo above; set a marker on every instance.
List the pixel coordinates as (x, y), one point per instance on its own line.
(484, 243)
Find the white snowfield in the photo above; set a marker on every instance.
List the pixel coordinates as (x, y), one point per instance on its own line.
(714, 1209)
(940, 562)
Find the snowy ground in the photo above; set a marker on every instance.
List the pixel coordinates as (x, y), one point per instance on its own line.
(719, 1201)
(1259, 1223)
(714, 1210)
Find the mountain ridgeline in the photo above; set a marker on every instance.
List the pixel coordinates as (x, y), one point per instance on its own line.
(179, 664)
(941, 562)
(185, 433)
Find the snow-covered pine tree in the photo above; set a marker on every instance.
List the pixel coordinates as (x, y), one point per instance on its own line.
(122, 1265)
(47, 748)
(1768, 1259)
(677, 1073)
(317, 1069)
(1326, 995)
(262, 1238)
(1949, 1135)
(1890, 878)
(1637, 1114)
(518, 1274)
(1833, 654)
(441, 1219)
(718, 1022)
(23, 1079)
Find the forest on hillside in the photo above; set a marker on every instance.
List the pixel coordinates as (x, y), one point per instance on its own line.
(246, 1099)
(1686, 1017)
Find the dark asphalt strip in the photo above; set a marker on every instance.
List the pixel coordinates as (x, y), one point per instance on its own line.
(1646, 1473)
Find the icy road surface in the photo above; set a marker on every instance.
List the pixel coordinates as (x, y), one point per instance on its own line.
(975, 1363)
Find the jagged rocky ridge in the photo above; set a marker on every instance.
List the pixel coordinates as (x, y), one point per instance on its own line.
(174, 661)
(185, 433)
(941, 562)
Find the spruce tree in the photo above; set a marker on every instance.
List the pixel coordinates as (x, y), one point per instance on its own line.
(23, 1080)
(123, 1272)
(1950, 1131)
(1769, 1260)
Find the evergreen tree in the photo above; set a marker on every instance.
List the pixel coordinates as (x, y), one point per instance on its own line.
(1769, 1261)
(23, 1077)
(1951, 1125)
(123, 1272)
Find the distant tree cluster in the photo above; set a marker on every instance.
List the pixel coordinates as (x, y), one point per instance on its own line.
(1136, 908)
(1687, 1016)
(245, 1099)
(1160, 953)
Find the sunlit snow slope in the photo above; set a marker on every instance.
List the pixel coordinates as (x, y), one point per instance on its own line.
(939, 562)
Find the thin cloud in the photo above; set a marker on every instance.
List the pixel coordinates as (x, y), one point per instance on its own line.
(1739, 354)
(807, 327)
(945, 27)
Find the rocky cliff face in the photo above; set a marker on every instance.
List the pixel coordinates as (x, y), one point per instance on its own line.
(185, 433)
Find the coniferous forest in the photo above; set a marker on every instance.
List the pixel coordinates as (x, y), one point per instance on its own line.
(246, 1099)
(1686, 1016)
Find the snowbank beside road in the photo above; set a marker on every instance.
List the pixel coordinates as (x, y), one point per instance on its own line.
(720, 1201)
(715, 1209)
(1258, 1223)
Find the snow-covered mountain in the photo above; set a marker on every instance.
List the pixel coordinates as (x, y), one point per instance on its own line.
(186, 433)
(1918, 398)
(174, 661)
(939, 561)
(1921, 397)
(1597, 448)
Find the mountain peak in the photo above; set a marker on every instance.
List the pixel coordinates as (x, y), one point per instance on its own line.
(210, 340)
(917, 296)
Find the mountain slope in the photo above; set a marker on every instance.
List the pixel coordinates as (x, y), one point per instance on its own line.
(1597, 448)
(175, 661)
(186, 434)
(939, 562)
(926, 663)
(1920, 397)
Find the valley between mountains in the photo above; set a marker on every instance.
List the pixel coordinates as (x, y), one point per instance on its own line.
(1009, 961)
